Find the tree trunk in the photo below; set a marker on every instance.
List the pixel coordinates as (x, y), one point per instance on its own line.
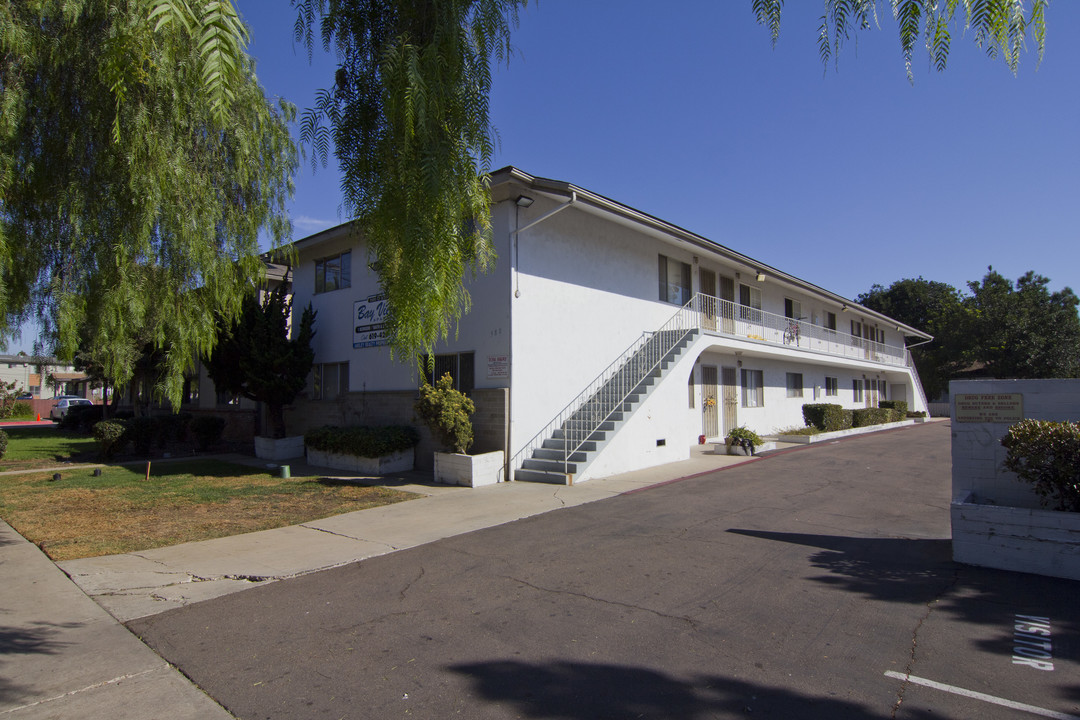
(276, 411)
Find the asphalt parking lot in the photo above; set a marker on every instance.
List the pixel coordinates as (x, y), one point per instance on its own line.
(815, 583)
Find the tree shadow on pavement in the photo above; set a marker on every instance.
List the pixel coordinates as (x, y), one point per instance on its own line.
(37, 639)
(580, 691)
(921, 571)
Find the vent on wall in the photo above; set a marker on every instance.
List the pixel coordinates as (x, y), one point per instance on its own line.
(661, 443)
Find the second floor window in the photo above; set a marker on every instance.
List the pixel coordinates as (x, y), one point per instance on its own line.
(674, 281)
(333, 273)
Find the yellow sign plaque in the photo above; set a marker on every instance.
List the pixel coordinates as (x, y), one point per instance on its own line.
(1002, 408)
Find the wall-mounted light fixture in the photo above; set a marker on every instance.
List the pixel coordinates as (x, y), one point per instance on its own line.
(524, 201)
(897, 328)
(843, 309)
(695, 260)
(760, 276)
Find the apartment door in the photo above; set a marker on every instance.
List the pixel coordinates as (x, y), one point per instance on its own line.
(707, 287)
(730, 399)
(727, 304)
(710, 410)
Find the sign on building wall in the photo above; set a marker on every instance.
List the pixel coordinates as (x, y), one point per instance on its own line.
(1000, 408)
(498, 367)
(369, 322)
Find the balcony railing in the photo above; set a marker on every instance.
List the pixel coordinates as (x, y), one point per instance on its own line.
(732, 319)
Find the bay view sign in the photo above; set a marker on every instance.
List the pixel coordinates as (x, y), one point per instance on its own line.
(369, 322)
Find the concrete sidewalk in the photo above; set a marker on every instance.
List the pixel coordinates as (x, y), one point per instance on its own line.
(63, 655)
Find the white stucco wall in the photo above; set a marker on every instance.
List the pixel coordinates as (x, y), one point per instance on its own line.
(587, 291)
(485, 330)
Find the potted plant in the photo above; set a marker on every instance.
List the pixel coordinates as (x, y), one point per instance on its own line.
(446, 412)
(742, 441)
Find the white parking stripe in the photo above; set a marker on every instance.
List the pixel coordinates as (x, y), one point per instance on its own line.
(982, 696)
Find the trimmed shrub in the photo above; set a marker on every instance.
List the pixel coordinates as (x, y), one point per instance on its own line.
(362, 441)
(827, 417)
(916, 414)
(3, 443)
(111, 436)
(864, 417)
(899, 405)
(446, 412)
(1047, 455)
(207, 430)
(140, 433)
(172, 428)
(22, 410)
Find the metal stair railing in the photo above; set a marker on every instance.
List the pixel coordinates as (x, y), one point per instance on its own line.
(609, 392)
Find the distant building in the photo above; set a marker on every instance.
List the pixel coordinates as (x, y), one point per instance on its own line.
(43, 377)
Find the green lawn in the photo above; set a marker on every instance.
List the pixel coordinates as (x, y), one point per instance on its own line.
(36, 446)
(184, 500)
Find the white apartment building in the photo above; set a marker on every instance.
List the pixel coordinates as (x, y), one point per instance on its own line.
(603, 340)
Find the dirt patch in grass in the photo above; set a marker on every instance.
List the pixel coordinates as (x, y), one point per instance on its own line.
(184, 501)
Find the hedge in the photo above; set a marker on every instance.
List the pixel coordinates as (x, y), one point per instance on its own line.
(207, 430)
(899, 408)
(3, 443)
(863, 417)
(826, 417)
(361, 440)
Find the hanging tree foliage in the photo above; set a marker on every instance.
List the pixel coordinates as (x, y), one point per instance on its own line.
(408, 115)
(999, 27)
(139, 159)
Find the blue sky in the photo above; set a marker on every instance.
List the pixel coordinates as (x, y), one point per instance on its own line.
(845, 177)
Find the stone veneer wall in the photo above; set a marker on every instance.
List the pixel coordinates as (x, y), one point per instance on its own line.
(395, 407)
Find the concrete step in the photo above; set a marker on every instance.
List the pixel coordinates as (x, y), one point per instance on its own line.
(541, 476)
(559, 454)
(554, 466)
(559, 444)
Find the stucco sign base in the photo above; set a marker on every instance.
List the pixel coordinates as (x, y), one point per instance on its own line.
(1045, 542)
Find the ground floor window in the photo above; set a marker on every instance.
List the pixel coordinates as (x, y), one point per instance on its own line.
(753, 389)
(856, 389)
(329, 380)
(831, 387)
(461, 367)
(794, 385)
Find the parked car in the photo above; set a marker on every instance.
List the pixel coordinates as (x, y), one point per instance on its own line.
(25, 396)
(59, 410)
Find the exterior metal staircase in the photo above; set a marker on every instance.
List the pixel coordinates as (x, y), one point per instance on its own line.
(564, 448)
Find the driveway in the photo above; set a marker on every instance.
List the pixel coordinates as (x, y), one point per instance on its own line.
(814, 583)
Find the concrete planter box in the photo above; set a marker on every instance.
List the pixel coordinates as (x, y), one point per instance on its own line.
(285, 448)
(725, 449)
(468, 470)
(393, 463)
(1045, 542)
(822, 437)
